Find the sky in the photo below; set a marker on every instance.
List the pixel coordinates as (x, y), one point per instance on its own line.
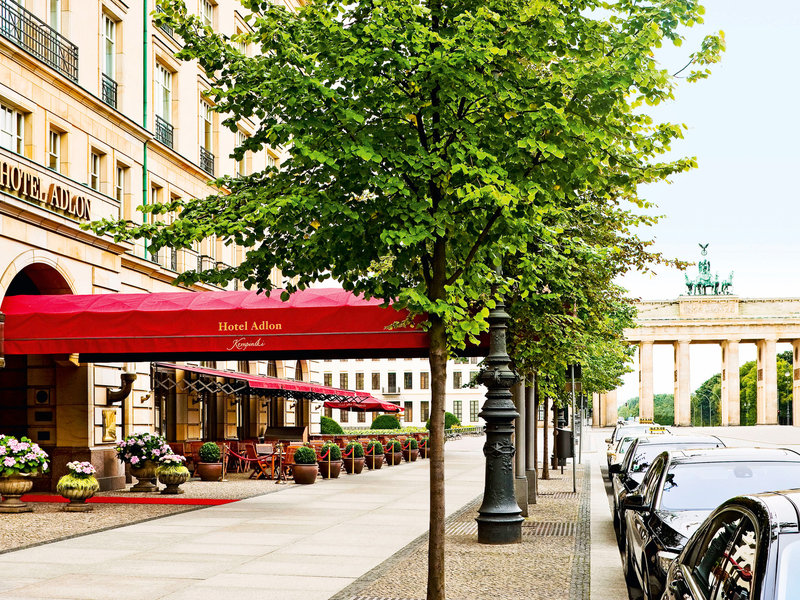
(744, 128)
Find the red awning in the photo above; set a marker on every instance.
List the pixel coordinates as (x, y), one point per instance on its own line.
(369, 404)
(275, 384)
(313, 323)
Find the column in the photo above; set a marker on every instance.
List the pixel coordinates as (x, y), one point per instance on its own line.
(596, 408)
(682, 396)
(531, 437)
(611, 408)
(646, 380)
(520, 480)
(767, 383)
(796, 383)
(730, 392)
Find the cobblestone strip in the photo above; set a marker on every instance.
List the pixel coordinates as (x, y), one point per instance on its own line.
(580, 576)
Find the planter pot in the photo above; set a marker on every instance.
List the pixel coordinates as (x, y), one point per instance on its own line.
(330, 469)
(424, 451)
(77, 496)
(11, 488)
(146, 474)
(172, 480)
(305, 474)
(411, 454)
(354, 466)
(394, 458)
(374, 462)
(209, 471)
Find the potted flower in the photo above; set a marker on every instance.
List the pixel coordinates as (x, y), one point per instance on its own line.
(142, 452)
(330, 460)
(210, 466)
(20, 460)
(304, 466)
(410, 450)
(172, 473)
(374, 454)
(392, 451)
(353, 458)
(78, 486)
(424, 447)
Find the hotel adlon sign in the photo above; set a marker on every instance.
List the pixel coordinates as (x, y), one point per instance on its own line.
(30, 185)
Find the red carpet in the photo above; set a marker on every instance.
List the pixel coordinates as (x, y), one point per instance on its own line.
(131, 500)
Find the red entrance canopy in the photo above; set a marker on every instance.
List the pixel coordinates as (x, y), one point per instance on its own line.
(275, 384)
(313, 323)
(369, 404)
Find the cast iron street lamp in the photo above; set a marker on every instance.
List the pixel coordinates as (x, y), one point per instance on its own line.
(499, 520)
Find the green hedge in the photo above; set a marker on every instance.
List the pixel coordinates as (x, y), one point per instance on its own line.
(386, 422)
(328, 426)
(367, 432)
(450, 420)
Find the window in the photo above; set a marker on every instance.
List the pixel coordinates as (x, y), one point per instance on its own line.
(362, 416)
(109, 47)
(94, 171)
(272, 163)
(328, 412)
(120, 183)
(711, 556)
(424, 381)
(327, 379)
(55, 15)
(456, 380)
(473, 410)
(391, 383)
(408, 412)
(343, 381)
(424, 408)
(207, 13)
(376, 381)
(457, 409)
(359, 381)
(344, 416)
(408, 381)
(206, 125)
(54, 150)
(240, 167)
(12, 128)
(163, 93)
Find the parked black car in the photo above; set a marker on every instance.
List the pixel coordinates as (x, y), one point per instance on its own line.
(627, 475)
(749, 548)
(624, 429)
(680, 490)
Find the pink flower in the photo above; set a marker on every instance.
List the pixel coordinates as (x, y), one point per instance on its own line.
(9, 461)
(134, 460)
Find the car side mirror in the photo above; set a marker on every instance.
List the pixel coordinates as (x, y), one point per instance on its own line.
(614, 468)
(608, 440)
(634, 502)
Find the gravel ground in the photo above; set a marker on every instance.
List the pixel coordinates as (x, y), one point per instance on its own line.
(49, 523)
(539, 568)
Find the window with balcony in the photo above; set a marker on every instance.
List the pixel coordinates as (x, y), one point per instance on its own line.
(94, 171)
(12, 129)
(162, 91)
(408, 381)
(391, 383)
(457, 380)
(359, 381)
(376, 381)
(327, 379)
(109, 61)
(54, 150)
(343, 381)
(55, 15)
(206, 138)
(424, 381)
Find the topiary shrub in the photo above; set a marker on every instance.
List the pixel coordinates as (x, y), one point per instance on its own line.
(424, 442)
(332, 450)
(328, 426)
(305, 456)
(412, 444)
(386, 422)
(374, 448)
(392, 446)
(209, 453)
(356, 448)
(450, 420)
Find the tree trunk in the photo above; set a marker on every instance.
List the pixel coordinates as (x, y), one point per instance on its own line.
(438, 364)
(545, 463)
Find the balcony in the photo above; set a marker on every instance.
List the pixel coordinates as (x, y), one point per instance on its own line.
(165, 28)
(25, 30)
(109, 91)
(164, 132)
(206, 161)
(173, 259)
(392, 390)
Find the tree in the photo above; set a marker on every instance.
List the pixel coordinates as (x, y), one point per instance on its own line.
(427, 141)
(663, 409)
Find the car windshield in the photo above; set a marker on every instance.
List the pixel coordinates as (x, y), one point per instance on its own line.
(634, 430)
(645, 453)
(704, 486)
(788, 565)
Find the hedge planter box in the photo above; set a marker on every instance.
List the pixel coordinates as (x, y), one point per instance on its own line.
(374, 461)
(305, 474)
(354, 466)
(394, 458)
(410, 454)
(330, 469)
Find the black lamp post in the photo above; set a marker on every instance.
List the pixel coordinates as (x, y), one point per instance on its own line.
(499, 520)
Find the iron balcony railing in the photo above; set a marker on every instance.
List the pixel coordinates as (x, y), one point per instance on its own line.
(391, 390)
(173, 259)
(206, 161)
(164, 132)
(109, 91)
(24, 29)
(165, 28)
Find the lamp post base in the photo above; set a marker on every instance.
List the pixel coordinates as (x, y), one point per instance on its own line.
(493, 530)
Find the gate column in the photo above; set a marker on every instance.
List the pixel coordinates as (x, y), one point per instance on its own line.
(611, 411)
(596, 410)
(730, 394)
(767, 383)
(796, 383)
(646, 380)
(682, 397)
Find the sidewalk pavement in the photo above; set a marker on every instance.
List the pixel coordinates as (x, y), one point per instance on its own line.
(305, 543)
